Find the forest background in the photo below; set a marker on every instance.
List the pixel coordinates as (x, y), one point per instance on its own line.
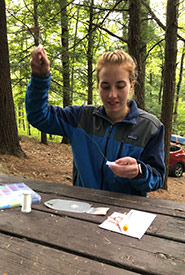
(74, 33)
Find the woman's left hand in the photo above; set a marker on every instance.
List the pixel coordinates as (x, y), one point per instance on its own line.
(126, 167)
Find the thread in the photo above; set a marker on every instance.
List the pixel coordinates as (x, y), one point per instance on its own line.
(26, 201)
(91, 139)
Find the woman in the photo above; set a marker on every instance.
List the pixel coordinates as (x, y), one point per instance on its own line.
(117, 131)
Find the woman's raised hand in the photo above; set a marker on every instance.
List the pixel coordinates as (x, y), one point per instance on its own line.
(40, 63)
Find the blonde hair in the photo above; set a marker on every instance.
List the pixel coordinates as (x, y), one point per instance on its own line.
(117, 57)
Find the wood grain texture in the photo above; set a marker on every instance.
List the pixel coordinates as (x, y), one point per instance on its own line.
(68, 236)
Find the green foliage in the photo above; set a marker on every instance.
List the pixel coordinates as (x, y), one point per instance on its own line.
(109, 24)
(181, 118)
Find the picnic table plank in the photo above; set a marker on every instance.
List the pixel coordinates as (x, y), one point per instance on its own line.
(169, 227)
(20, 257)
(150, 255)
(169, 208)
(163, 226)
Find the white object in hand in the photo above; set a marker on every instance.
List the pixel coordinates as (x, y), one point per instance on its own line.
(111, 163)
(26, 201)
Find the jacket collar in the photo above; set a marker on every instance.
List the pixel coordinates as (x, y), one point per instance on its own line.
(131, 117)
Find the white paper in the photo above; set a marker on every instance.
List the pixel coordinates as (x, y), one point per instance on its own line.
(137, 222)
(111, 163)
(98, 211)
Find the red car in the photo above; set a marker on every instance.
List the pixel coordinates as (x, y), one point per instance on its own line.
(177, 160)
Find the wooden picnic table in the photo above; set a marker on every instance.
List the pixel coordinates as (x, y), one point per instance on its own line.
(52, 242)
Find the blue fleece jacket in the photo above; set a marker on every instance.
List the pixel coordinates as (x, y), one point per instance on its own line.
(94, 139)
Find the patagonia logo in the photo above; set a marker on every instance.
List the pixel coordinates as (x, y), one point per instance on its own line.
(132, 137)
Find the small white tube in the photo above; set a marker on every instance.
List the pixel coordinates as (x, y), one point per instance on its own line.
(26, 201)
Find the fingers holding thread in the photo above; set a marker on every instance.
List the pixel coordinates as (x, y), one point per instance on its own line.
(40, 64)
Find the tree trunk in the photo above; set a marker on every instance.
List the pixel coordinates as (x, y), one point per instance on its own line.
(90, 55)
(36, 39)
(178, 89)
(65, 58)
(161, 84)
(44, 138)
(65, 53)
(9, 141)
(73, 56)
(169, 75)
(36, 23)
(135, 49)
(28, 129)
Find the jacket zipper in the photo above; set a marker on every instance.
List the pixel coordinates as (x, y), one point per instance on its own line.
(105, 154)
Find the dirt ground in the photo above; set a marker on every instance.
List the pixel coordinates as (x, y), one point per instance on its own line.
(53, 162)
